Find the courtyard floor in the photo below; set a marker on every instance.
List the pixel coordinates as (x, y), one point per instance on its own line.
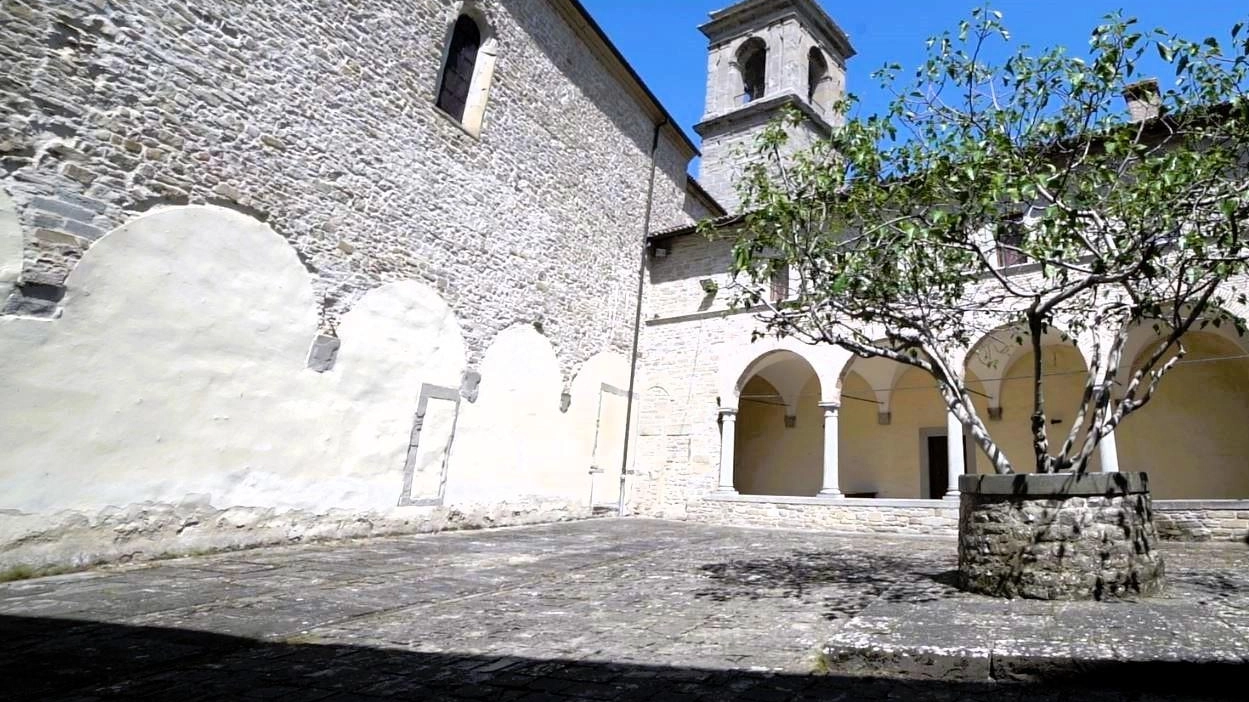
(603, 609)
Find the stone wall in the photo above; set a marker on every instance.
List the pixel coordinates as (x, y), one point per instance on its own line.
(169, 407)
(319, 118)
(1228, 521)
(728, 148)
(931, 517)
(1202, 520)
(147, 531)
(194, 192)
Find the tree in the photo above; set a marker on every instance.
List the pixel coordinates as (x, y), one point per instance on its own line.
(896, 228)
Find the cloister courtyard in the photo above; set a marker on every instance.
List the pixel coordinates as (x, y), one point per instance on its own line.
(612, 609)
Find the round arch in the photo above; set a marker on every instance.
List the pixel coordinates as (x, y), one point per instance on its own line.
(751, 62)
(779, 439)
(991, 357)
(1191, 437)
(739, 366)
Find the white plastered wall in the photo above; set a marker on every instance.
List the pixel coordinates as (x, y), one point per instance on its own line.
(10, 246)
(178, 370)
(175, 382)
(172, 397)
(598, 401)
(515, 443)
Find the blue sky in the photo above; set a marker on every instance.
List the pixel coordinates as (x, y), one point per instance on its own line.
(661, 38)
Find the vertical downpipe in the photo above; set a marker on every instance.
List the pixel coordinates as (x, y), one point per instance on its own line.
(637, 319)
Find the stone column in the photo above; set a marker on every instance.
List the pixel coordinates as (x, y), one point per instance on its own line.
(830, 486)
(728, 434)
(1108, 451)
(954, 454)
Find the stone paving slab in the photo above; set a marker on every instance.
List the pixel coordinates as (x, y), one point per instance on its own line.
(604, 609)
(1198, 627)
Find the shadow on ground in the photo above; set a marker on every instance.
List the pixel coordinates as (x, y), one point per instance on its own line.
(847, 582)
(49, 659)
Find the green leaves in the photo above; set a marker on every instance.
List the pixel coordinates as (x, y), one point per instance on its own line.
(896, 220)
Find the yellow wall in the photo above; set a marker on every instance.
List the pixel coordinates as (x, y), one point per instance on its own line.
(1193, 437)
(859, 454)
(1064, 371)
(887, 459)
(770, 458)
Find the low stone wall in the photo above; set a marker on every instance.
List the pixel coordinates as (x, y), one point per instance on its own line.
(1202, 520)
(1174, 520)
(1058, 537)
(874, 516)
(146, 531)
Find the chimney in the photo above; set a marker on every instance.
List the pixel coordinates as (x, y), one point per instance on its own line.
(1144, 99)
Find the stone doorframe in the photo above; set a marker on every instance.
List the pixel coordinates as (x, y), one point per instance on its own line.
(428, 392)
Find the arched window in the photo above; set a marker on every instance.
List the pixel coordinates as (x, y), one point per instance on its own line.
(457, 73)
(817, 74)
(752, 61)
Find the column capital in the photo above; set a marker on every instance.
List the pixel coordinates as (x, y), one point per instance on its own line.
(727, 412)
(830, 406)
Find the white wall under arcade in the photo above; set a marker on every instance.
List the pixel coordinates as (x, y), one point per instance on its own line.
(170, 407)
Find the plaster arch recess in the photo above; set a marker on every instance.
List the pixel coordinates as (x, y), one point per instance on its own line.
(991, 358)
(514, 443)
(177, 373)
(505, 446)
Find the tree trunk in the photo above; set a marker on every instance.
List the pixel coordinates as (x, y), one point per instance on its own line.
(1040, 435)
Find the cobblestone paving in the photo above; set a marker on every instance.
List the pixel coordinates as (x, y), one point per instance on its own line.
(606, 609)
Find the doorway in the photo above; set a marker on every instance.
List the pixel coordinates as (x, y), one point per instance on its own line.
(938, 460)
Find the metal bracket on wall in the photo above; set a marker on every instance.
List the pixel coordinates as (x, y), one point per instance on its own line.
(428, 392)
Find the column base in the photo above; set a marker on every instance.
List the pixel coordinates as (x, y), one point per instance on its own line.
(726, 491)
(831, 492)
(951, 495)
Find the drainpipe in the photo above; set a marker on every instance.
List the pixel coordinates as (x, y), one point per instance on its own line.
(637, 319)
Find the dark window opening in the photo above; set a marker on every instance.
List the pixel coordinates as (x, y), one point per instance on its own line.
(457, 74)
(1010, 238)
(780, 284)
(753, 60)
(817, 72)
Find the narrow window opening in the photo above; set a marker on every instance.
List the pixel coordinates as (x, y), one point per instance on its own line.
(1010, 239)
(780, 284)
(752, 61)
(817, 74)
(457, 74)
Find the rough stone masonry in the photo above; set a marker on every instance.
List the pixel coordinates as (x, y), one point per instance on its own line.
(1058, 537)
(319, 118)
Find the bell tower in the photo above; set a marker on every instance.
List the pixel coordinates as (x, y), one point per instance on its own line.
(762, 56)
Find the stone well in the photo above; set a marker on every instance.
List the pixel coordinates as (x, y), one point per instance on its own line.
(1058, 536)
